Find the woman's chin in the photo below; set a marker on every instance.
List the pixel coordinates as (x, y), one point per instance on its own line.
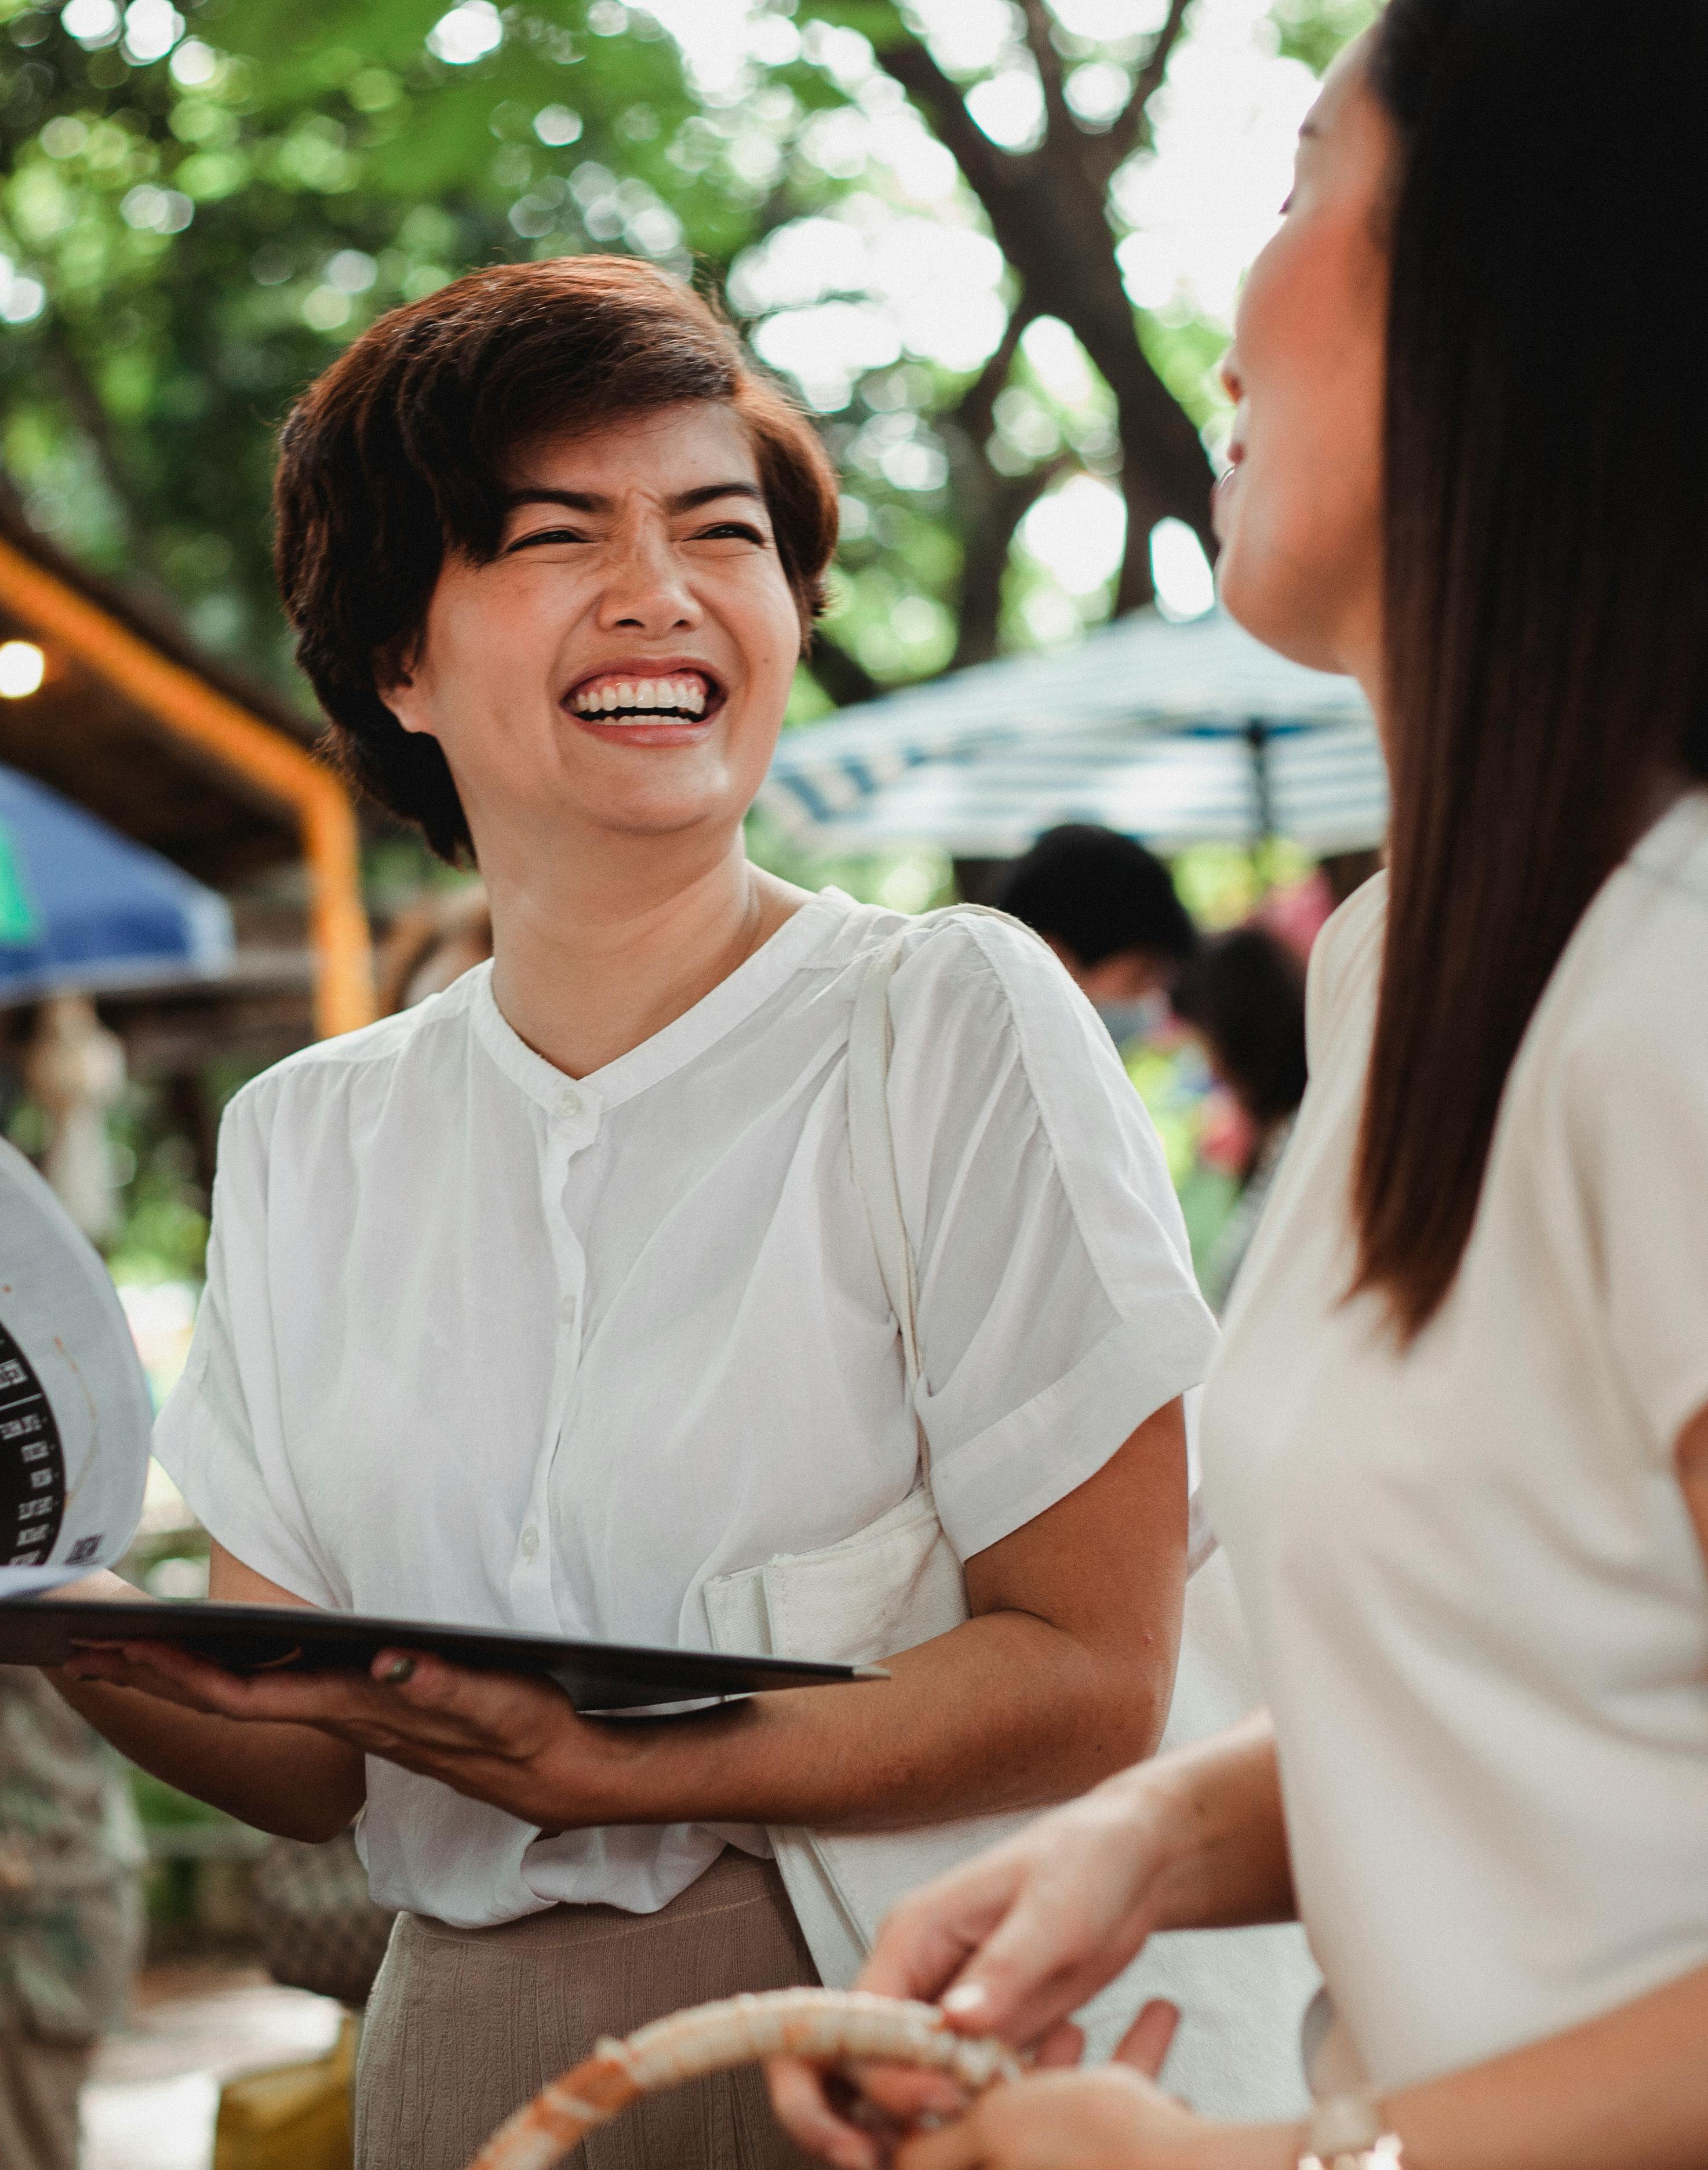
(691, 787)
(1279, 609)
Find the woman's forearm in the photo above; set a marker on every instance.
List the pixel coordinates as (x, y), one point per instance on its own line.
(1630, 2088)
(288, 1779)
(1215, 1811)
(1006, 1712)
(1063, 1675)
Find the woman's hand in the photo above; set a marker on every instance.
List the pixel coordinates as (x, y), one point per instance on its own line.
(1015, 1941)
(498, 1737)
(1109, 2119)
(1012, 1943)
(1113, 2119)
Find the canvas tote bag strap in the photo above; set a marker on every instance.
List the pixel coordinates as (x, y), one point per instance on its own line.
(872, 1143)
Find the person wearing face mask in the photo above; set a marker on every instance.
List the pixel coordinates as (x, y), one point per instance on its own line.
(1455, 1437)
(1243, 997)
(1107, 907)
(557, 1301)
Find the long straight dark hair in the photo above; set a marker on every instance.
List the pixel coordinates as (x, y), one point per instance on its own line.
(1546, 490)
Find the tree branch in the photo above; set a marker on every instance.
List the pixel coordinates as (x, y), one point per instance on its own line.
(846, 681)
(996, 506)
(1132, 125)
(89, 412)
(975, 412)
(1058, 115)
(989, 171)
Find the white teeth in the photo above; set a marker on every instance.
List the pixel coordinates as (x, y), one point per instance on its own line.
(686, 695)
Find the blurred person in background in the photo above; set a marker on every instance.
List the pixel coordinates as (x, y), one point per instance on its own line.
(1242, 997)
(70, 1914)
(1107, 907)
(431, 943)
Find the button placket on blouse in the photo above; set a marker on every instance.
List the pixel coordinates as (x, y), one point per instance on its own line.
(571, 1124)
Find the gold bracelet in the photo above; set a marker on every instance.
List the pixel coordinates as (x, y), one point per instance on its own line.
(1349, 2132)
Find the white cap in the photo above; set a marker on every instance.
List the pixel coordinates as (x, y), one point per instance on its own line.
(74, 1410)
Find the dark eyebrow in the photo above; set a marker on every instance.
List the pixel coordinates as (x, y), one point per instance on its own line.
(573, 500)
(690, 501)
(582, 501)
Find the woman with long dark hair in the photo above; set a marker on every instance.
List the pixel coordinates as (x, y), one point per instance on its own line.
(1456, 1437)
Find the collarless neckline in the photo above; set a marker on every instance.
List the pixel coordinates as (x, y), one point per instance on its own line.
(717, 1012)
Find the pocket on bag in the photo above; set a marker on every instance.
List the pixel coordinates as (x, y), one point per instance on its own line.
(889, 1586)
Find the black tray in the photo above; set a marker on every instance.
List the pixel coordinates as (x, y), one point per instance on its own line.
(251, 1638)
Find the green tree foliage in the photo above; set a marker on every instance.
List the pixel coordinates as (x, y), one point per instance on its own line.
(1315, 30)
(198, 208)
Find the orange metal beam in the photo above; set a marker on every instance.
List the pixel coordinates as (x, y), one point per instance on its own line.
(186, 705)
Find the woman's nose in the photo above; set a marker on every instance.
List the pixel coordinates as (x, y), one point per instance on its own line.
(646, 588)
(1233, 383)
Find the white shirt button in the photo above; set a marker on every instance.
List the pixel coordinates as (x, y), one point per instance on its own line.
(566, 1311)
(568, 1103)
(531, 1542)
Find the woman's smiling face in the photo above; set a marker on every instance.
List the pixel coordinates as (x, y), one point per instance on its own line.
(622, 664)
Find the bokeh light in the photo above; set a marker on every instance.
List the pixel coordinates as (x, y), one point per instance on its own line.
(23, 666)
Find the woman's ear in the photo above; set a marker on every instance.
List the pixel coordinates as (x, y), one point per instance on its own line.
(395, 666)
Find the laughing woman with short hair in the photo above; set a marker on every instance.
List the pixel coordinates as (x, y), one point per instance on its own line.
(553, 1304)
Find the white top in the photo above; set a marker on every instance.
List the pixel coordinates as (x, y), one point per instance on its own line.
(483, 1344)
(1475, 1594)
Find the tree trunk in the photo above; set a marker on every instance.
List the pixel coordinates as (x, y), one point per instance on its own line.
(1048, 210)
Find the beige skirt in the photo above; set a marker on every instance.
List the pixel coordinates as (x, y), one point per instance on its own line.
(466, 2024)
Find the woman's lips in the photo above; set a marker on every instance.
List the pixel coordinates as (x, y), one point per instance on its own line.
(688, 731)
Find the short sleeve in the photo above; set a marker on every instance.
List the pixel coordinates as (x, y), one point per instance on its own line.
(1057, 1305)
(220, 1435)
(1637, 1097)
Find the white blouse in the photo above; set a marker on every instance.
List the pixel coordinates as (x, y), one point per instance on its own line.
(1475, 1592)
(481, 1344)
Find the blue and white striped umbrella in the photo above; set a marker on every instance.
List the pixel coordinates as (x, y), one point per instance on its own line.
(1177, 733)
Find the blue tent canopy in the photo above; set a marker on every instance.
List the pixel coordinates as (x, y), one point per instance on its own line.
(83, 910)
(1177, 733)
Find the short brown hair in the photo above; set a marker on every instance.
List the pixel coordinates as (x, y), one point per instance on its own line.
(396, 454)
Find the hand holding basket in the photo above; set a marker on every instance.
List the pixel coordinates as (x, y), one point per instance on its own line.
(826, 2026)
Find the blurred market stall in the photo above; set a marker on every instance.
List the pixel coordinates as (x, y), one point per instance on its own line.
(1176, 733)
(84, 910)
(110, 705)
